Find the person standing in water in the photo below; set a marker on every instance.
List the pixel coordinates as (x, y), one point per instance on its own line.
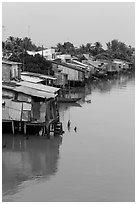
(68, 124)
(75, 129)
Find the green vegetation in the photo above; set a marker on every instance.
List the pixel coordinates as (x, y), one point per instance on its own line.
(115, 49)
(18, 47)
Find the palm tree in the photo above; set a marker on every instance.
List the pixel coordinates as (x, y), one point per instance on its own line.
(88, 47)
(82, 49)
(98, 45)
(59, 47)
(97, 49)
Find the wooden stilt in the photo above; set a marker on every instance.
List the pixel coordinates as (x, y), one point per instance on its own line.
(19, 126)
(44, 130)
(48, 132)
(13, 143)
(13, 129)
(51, 127)
(25, 128)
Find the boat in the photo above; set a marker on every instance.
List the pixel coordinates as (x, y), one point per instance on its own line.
(68, 100)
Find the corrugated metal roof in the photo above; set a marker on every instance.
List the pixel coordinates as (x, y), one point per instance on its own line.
(48, 89)
(34, 92)
(76, 66)
(86, 56)
(94, 63)
(43, 76)
(31, 79)
(81, 64)
(10, 62)
(7, 87)
(12, 110)
(10, 83)
(69, 65)
(47, 77)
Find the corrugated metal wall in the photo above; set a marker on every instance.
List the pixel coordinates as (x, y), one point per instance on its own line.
(14, 71)
(10, 72)
(26, 114)
(8, 92)
(72, 73)
(24, 97)
(11, 110)
(6, 73)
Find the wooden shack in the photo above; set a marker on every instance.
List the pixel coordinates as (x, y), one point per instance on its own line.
(74, 75)
(38, 78)
(98, 68)
(117, 65)
(11, 70)
(31, 105)
(121, 65)
(62, 79)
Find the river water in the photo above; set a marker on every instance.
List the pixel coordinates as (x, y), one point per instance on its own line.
(95, 163)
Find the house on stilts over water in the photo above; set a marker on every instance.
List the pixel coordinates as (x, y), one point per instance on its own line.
(70, 74)
(30, 107)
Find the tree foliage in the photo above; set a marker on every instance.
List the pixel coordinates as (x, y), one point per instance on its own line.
(119, 50)
(66, 48)
(15, 44)
(18, 46)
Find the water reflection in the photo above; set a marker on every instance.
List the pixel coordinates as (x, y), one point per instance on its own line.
(85, 93)
(96, 161)
(22, 160)
(101, 85)
(106, 85)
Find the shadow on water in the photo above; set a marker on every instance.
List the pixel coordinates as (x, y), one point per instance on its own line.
(102, 85)
(22, 160)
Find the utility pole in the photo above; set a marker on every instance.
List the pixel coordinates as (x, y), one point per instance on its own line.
(23, 59)
(23, 54)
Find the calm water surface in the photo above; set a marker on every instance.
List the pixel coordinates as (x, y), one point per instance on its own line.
(96, 163)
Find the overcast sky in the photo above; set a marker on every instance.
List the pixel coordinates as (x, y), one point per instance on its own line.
(50, 23)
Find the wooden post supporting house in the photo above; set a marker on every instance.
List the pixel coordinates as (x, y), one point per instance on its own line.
(48, 131)
(30, 105)
(44, 130)
(20, 126)
(25, 128)
(13, 128)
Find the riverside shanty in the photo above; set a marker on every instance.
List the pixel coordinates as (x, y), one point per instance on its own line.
(30, 100)
(68, 70)
(27, 105)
